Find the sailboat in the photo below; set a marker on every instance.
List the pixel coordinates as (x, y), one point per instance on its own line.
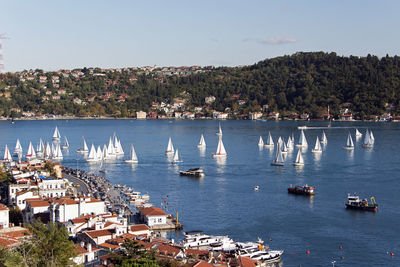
(202, 143)
(302, 140)
(102, 169)
(31, 151)
(170, 148)
(40, 148)
(317, 148)
(133, 158)
(371, 136)
(290, 143)
(324, 140)
(92, 157)
(17, 149)
(349, 144)
(284, 147)
(221, 152)
(219, 133)
(57, 154)
(299, 159)
(47, 151)
(56, 135)
(270, 142)
(176, 159)
(260, 142)
(7, 155)
(278, 161)
(66, 143)
(368, 143)
(358, 134)
(84, 148)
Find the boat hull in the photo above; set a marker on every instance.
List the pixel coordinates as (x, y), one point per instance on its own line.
(348, 147)
(364, 208)
(295, 191)
(218, 155)
(298, 164)
(277, 164)
(316, 151)
(191, 174)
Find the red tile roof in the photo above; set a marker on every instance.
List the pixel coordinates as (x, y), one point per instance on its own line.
(3, 207)
(153, 211)
(97, 233)
(139, 227)
(202, 264)
(247, 262)
(108, 245)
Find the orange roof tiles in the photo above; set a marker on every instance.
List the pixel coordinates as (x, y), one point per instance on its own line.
(153, 211)
(202, 264)
(247, 262)
(139, 227)
(97, 233)
(3, 207)
(108, 245)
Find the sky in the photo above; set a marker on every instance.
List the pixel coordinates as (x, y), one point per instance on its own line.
(52, 34)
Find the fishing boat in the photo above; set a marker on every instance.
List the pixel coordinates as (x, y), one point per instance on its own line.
(221, 152)
(133, 158)
(302, 140)
(354, 202)
(358, 134)
(299, 159)
(367, 143)
(301, 190)
(269, 143)
(84, 148)
(17, 149)
(194, 172)
(56, 135)
(202, 143)
(324, 140)
(170, 148)
(176, 159)
(260, 142)
(219, 133)
(31, 152)
(66, 143)
(278, 161)
(317, 148)
(349, 143)
(7, 155)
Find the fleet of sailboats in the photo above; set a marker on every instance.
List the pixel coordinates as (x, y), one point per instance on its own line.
(349, 143)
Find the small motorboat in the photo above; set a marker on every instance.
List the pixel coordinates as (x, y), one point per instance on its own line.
(301, 190)
(256, 188)
(195, 172)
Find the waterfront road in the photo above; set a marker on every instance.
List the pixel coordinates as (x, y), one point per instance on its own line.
(82, 189)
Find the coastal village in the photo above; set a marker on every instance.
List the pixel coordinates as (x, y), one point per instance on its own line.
(54, 87)
(96, 214)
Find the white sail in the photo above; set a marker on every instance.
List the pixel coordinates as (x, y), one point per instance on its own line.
(92, 154)
(302, 140)
(202, 143)
(371, 136)
(31, 151)
(349, 142)
(40, 148)
(111, 149)
(18, 148)
(133, 157)
(219, 133)
(176, 158)
(260, 142)
(221, 152)
(279, 160)
(299, 159)
(317, 147)
(47, 151)
(367, 140)
(7, 154)
(284, 147)
(324, 140)
(57, 154)
(170, 147)
(119, 150)
(99, 154)
(56, 134)
(66, 143)
(290, 143)
(358, 134)
(270, 142)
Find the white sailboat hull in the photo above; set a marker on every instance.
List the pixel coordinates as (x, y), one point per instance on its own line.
(131, 161)
(218, 155)
(274, 163)
(298, 164)
(348, 147)
(316, 151)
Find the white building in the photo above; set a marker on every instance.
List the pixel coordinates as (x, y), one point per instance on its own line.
(141, 115)
(139, 230)
(86, 255)
(255, 115)
(4, 216)
(153, 216)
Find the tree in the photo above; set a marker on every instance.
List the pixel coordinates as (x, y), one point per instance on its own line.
(133, 254)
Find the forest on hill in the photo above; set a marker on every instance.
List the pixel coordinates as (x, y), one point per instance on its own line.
(300, 83)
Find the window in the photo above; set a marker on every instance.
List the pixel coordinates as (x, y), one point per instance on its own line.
(160, 220)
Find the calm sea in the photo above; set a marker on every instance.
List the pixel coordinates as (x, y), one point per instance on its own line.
(224, 202)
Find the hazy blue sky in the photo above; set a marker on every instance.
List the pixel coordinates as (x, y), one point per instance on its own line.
(68, 34)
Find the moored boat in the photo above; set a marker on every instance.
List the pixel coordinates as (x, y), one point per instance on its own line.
(301, 190)
(195, 172)
(354, 202)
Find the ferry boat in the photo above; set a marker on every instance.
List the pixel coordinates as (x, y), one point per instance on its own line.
(354, 202)
(195, 172)
(301, 190)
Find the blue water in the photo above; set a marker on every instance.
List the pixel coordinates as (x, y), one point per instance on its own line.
(224, 202)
